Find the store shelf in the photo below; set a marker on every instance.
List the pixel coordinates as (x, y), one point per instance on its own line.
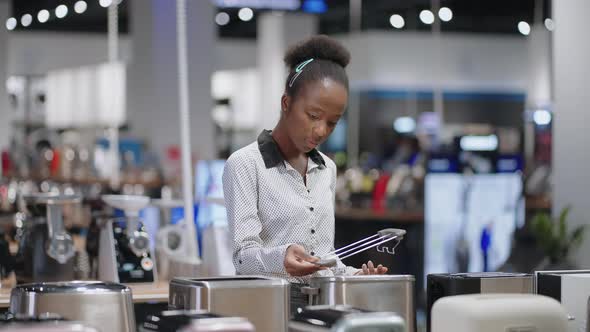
(360, 214)
(88, 181)
(540, 202)
(150, 292)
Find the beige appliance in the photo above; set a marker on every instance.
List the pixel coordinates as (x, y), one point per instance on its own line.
(263, 301)
(345, 319)
(498, 312)
(106, 306)
(394, 293)
(449, 284)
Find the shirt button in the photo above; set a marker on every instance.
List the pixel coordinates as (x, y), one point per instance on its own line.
(308, 191)
(313, 231)
(311, 209)
(312, 253)
(240, 261)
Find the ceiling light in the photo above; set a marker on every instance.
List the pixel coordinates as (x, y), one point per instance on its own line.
(245, 14)
(445, 14)
(61, 11)
(542, 117)
(397, 21)
(524, 28)
(479, 143)
(11, 23)
(549, 24)
(404, 125)
(26, 20)
(105, 3)
(80, 7)
(426, 16)
(222, 18)
(43, 16)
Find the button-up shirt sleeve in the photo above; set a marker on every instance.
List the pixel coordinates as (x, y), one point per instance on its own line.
(240, 187)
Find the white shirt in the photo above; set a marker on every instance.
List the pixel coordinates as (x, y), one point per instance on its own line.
(270, 207)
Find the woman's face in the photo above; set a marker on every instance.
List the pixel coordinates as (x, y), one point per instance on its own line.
(313, 114)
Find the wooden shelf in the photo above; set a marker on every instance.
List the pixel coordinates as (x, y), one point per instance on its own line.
(542, 202)
(532, 203)
(360, 214)
(150, 292)
(88, 180)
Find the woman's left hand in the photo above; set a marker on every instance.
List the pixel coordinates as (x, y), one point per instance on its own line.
(369, 268)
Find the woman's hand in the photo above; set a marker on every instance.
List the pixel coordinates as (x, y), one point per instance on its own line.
(299, 263)
(369, 268)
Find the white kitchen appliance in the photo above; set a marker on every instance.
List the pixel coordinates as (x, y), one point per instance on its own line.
(498, 313)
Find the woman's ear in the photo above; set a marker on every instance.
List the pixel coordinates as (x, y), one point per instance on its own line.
(285, 103)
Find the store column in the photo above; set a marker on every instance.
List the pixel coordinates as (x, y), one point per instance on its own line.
(276, 32)
(539, 94)
(5, 116)
(571, 137)
(539, 51)
(153, 79)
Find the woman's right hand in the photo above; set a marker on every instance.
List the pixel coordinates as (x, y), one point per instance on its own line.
(299, 263)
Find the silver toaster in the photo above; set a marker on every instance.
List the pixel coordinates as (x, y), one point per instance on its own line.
(263, 301)
(391, 293)
(106, 306)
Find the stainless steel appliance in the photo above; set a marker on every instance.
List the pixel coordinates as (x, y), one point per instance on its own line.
(47, 327)
(125, 254)
(498, 312)
(8, 318)
(263, 301)
(193, 321)
(393, 293)
(345, 319)
(219, 325)
(442, 285)
(572, 289)
(46, 250)
(107, 306)
(46, 322)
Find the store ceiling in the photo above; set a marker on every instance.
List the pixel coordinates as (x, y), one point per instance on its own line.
(94, 19)
(471, 16)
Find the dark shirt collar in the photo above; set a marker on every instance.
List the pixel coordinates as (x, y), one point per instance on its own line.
(269, 149)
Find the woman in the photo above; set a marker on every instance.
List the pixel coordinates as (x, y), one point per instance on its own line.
(279, 191)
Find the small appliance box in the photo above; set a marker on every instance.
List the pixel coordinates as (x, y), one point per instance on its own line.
(572, 289)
